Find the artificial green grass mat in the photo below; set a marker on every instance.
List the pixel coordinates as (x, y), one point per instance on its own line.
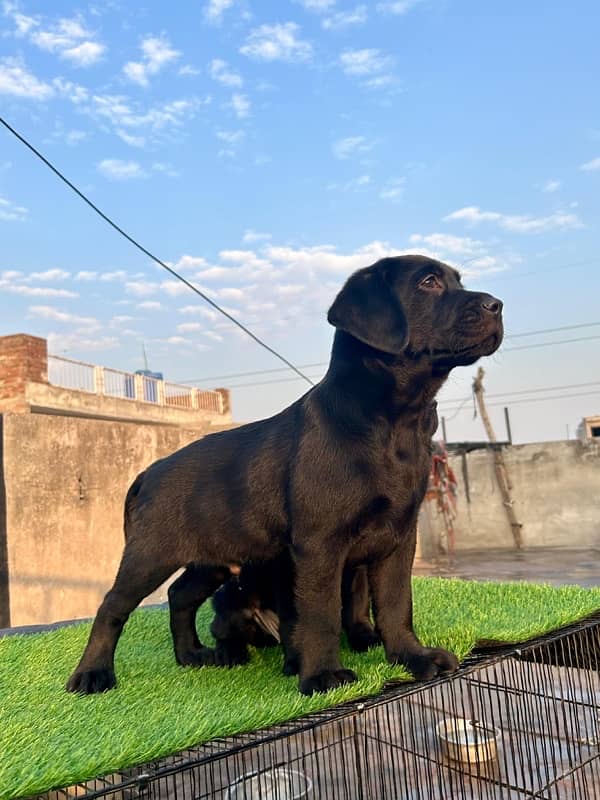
(49, 738)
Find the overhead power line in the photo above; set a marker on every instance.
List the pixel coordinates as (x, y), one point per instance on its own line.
(550, 344)
(446, 405)
(544, 399)
(324, 363)
(150, 255)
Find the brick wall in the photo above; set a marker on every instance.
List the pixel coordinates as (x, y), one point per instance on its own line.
(23, 359)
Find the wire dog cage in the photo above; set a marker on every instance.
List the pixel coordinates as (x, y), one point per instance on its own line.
(514, 722)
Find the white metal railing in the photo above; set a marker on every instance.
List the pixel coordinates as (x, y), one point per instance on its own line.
(71, 374)
(84, 377)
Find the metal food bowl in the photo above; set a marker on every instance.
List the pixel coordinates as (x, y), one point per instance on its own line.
(278, 783)
(467, 741)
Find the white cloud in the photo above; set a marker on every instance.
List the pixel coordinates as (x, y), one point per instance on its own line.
(397, 6)
(149, 305)
(73, 137)
(9, 212)
(317, 5)
(73, 92)
(141, 288)
(253, 236)
(11, 275)
(37, 291)
(165, 169)
(212, 335)
(16, 80)
(352, 185)
(214, 9)
(231, 139)
(114, 275)
(189, 327)
(117, 170)
(514, 222)
(188, 263)
(365, 62)
(187, 69)
(344, 19)
(447, 243)
(174, 288)
(156, 54)
(86, 275)
(134, 124)
(220, 71)
(23, 23)
(240, 105)
(76, 342)
(277, 42)
(49, 312)
(84, 54)
(177, 340)
(590, 166)
(350, 146)
(393, 189)
(50, 275)
(551, 186)
(70, 40)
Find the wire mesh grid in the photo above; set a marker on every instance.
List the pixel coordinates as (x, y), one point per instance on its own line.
(513, 723)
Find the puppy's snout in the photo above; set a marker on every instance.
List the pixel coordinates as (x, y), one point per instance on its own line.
(491, 305)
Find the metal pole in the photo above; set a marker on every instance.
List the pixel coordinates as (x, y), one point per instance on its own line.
(444, 429)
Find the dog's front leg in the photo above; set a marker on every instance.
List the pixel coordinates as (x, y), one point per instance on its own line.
(318, 599)
(390, 582)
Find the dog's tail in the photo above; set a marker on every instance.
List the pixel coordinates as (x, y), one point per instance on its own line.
(130, 499)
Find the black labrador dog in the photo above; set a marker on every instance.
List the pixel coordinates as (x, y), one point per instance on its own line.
(336, 478)
(256, 608)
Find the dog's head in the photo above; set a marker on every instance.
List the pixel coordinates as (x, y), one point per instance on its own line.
(417, 306)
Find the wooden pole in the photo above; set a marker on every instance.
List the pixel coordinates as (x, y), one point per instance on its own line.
(508, 429)
(499, 465)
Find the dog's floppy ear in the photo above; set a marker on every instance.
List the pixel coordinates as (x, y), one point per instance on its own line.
(367, 308)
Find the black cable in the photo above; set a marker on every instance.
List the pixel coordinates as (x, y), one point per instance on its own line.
(549, 344)
(542, 399)
(150, 255)
(324, 363)
(443, 404)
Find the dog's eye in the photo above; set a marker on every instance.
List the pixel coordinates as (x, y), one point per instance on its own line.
(431, 282)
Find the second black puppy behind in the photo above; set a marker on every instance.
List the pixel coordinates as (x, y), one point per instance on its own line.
(255, 607)
(335, 479)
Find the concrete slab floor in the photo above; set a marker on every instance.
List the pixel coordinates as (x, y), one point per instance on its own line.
(557, 566)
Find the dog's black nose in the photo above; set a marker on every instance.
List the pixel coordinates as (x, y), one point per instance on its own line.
(492, 305)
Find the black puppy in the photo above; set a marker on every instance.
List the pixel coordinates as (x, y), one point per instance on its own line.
(256, 608)
(337, 478)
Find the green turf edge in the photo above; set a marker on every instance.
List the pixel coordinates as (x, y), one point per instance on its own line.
(153, 691)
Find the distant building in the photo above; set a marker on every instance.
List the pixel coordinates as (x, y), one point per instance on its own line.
(589, 428)
(73, 436)
(31, 380)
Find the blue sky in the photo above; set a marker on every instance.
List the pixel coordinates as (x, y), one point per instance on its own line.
(268, 149)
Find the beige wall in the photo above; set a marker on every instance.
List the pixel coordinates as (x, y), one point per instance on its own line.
(65, 481)
(556, 490)
(54, 399)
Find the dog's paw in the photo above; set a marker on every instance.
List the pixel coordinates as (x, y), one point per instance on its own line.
(427, 663)
(197, 657)
(230, 655)
(91, 681)
(362, 637)
(328, 679)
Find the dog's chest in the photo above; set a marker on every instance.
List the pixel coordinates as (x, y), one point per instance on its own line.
(396, 485)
